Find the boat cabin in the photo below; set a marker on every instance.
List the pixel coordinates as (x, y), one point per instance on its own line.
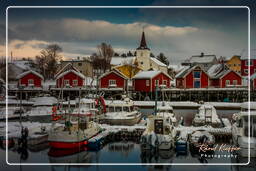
(121, 106)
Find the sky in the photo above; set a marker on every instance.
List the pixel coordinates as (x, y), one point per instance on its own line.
(177, 32)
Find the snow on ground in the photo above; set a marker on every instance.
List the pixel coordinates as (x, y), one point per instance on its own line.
(14, 128)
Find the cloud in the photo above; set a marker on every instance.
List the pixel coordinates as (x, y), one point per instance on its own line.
(84, 30)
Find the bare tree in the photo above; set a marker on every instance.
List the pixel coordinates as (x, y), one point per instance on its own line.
(48, 59)
(101, 60)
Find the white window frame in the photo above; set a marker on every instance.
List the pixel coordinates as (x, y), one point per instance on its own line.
(246, 71)
(227, 82)
(31, 82)
(156, 82)
(235, 82)
(111, 82)
(246, 63)
(165, 82)
(75, 82)
(66, 82)
(147, 83)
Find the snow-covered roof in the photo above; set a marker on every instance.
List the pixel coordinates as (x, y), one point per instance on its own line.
(23, 64)
(252, 54)
(182, 72)
(146, 74)
(253, 76)
(202, 59)
(68, 71)
(122, 60)
(67, 67)
(29, 71)
(176, 68)
(158, 62)
(114, 71)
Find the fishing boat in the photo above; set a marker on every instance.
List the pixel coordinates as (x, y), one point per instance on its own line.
(201, 138)
(241, 128)
(75, 133)
(207, 115)
(159, 134)
(166, 111)
(122, 113)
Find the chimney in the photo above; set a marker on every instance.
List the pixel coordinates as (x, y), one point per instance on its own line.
(202, 54)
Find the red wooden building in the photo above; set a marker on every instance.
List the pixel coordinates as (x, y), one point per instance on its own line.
(248, 65)
(70, 78)
(113, 79)
(221, 76)
(253, 81)
(30, 79)
(146, 81)
(192, 77)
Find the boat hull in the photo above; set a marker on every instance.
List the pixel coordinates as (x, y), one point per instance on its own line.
(128, 122)
(68, 145)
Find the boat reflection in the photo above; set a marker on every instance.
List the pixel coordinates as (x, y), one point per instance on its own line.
(79, 155)
(124, 147)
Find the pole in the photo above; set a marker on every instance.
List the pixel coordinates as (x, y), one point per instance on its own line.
(156, 89)
(20, 103)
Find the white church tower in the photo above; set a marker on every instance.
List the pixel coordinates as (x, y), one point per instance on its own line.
(143, 54)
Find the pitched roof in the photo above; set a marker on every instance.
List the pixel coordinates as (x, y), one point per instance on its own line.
(67, 67)
(201, 59)
(143, 43)
(27, 72)
(116, 72)
(158, 62)
(182, 72)
(148, 74)
(68, 71)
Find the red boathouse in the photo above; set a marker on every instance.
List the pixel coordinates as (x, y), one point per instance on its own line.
(70, 78)
(30, 79)
(113, 79)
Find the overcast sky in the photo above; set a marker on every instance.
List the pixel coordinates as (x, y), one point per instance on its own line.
(178, 33)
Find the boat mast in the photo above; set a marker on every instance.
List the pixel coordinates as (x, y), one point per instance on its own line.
(156, 89)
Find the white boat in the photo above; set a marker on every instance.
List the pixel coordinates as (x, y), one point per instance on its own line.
(74, 134)
(166, 110)
(241, 127)
(86, 108)
(159, 134)
(207, 115)
(122, 113)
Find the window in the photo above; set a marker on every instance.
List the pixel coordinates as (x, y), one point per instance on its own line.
(112, 82)
(239, 64)
(141, 63)
(234, 64)
(156, 82)
(197, 74)
(248, 63)
(31, 82)
(227, 82)
(147, 82)
(234, 82)
(246, 71)
(66, 82)
(164, 82)
(75, 82)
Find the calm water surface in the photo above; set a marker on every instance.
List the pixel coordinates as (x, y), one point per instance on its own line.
(122, 152)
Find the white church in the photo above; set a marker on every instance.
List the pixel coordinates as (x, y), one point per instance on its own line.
(142, 58)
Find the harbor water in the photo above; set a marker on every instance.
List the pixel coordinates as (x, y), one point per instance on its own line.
(124, 152)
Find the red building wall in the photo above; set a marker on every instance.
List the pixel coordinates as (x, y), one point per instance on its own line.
(140, 85)
(120, 81)
(230, 76)
(252, 67)
(70, 76)
(189, 80)
(215, 83)
(180, 83)
(37, 80)
(161, 77)
(254, 84)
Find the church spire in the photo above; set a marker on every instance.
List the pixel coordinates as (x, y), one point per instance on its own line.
(143, 43)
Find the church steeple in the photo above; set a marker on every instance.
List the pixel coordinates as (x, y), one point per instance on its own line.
(143, 43)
